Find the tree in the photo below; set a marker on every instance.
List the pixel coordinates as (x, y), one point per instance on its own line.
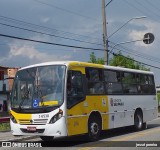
(95, 60)
(126, 62)
(119, 60)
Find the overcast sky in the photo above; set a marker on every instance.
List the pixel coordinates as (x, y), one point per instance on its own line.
(76, 23)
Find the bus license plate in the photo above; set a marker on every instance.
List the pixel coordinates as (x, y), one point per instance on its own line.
(31, 128)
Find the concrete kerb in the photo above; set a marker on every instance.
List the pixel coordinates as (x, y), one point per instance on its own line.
(20, 138)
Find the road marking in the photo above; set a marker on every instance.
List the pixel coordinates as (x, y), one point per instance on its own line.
(135, 135)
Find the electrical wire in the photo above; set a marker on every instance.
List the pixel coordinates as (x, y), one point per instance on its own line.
(44, 28)
(65, 10)
(133, 52)
(136, 61)
(43, 42)
(49, 34)
(19, 38)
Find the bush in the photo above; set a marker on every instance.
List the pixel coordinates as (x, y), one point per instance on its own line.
(4, 126)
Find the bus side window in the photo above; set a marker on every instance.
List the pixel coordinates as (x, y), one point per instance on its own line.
(113, 82)
(95, 81)
(75, 90)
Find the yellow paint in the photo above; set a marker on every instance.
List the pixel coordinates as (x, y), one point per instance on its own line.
(77, 125)
(78, 115)
(94, 104)
(21, 118)
(49, 103)
(80, 66)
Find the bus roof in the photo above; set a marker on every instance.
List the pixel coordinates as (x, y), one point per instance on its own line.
(78, 63)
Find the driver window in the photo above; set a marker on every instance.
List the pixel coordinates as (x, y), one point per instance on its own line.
(75, 92)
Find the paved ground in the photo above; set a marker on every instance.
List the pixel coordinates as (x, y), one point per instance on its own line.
(7, 136)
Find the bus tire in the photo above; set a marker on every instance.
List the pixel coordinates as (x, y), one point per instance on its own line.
(94, 128)
(138, 121)
(47, 138)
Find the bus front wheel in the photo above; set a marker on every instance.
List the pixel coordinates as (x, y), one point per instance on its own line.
(94, 128)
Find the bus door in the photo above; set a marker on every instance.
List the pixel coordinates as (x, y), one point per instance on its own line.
(77, 117)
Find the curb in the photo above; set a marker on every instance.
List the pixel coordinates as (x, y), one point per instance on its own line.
(20, 138)
(25, 138)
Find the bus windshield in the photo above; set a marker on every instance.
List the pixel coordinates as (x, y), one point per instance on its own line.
(38, 87)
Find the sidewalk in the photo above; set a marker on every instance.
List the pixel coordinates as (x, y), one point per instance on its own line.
(7, 136)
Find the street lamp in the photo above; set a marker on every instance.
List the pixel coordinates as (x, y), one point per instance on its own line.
(124, 43)
(141, 17)
(147, 39)
(106, 38)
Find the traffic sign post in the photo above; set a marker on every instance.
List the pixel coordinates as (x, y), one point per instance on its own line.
(148, 38)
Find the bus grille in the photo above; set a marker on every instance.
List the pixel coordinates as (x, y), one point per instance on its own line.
(34, 121)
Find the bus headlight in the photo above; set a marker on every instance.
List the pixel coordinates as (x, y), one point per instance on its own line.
(56, 116)
(13, 119)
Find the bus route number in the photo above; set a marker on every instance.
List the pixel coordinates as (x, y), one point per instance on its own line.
(43, 116)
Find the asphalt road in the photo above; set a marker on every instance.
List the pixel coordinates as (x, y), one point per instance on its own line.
(120, 138)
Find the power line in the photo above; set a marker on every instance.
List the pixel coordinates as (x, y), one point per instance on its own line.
(48, 34)
(71, 46)
(139, 55)
(41, 48)
(65, 10)
(134, 52)
(140, 10)
(151, 4)
(146, 8)
(136, 61)
(37, 41)
(21, 22)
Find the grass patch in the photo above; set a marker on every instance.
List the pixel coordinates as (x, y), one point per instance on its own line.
(4, 126)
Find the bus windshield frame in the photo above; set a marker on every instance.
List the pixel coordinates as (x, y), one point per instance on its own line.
(38, 89)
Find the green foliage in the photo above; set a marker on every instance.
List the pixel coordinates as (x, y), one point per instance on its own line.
(95, 60)
(4, 126)
(120, 60)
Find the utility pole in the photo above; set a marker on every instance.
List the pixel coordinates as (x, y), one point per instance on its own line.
(105, 39)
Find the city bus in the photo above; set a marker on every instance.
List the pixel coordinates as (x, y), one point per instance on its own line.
(58, 99)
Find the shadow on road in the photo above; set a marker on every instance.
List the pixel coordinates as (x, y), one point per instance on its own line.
(81, 140)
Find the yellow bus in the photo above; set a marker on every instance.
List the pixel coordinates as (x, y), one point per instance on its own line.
(70, 98)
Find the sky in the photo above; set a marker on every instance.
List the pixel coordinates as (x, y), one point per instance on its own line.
(77, 23)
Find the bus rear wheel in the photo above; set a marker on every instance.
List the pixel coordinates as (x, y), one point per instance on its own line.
(47, 138)
(94, 128)
(138, 121)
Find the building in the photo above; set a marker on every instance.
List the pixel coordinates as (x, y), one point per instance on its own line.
(7, 75)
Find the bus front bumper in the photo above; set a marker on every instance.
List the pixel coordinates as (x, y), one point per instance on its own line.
(57, 129)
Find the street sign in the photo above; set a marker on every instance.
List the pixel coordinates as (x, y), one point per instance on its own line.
(148, 38)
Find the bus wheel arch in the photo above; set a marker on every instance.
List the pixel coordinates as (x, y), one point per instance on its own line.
(138, 120)
(94, 126)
